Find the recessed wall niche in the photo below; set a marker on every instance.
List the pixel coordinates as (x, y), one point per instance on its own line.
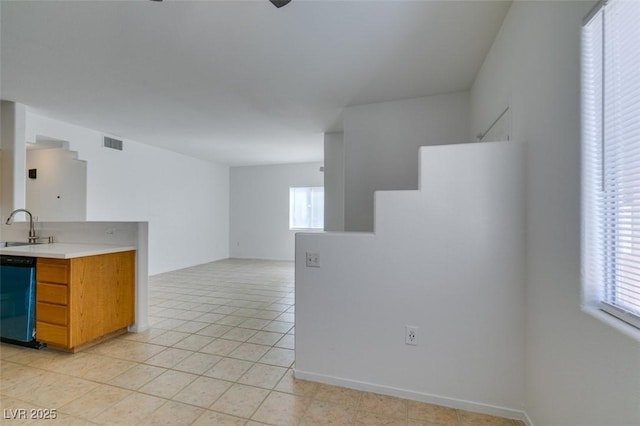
(59, 191)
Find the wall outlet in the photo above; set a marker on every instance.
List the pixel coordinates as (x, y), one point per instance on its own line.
(411, 335)
(313, 260)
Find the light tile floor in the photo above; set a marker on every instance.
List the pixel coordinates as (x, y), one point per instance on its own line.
(220, 351)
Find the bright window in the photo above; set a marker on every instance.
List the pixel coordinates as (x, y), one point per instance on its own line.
(306, 207)
(611, 160)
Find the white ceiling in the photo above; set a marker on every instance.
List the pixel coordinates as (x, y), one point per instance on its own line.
(238, 82)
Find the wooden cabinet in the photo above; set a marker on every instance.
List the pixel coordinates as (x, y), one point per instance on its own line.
(82, 299)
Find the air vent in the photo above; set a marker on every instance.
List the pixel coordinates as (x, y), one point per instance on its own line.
(112, 143)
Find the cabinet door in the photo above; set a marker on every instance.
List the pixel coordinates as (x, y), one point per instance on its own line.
(102, 295)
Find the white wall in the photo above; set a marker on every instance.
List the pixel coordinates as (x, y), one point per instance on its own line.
(185, 200)
(579, 371)
(12, 134)
(59, 191)
(334, 182)
(260, 208)
(447, 259)
(381, 142)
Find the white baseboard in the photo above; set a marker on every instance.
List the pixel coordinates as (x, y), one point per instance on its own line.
(138, 328)
(416, 396)
(275, 259)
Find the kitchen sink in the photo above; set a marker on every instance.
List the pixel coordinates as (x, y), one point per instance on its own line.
(13, 244)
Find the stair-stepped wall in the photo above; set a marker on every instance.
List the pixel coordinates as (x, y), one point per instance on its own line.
(57, 190)
(448, 259)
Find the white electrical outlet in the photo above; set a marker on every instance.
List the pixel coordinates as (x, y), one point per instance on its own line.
(313, 260)
(411, 335)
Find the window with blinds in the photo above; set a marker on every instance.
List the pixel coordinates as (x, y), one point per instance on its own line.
(611, 159)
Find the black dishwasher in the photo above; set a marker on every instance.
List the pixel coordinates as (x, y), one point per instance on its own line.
(18, 300)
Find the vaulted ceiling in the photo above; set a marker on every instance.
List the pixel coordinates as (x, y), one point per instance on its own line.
(237, 82)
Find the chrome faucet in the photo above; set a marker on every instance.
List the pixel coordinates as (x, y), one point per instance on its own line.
(32, 232)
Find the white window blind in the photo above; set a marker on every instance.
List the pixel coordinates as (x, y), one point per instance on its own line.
(611, 159)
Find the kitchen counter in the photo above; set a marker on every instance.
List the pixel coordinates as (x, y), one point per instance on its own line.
(63, 250)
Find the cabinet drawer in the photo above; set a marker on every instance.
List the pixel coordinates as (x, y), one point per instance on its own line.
(52, 293)
(55, 314)
(53, 270)
(53, 334)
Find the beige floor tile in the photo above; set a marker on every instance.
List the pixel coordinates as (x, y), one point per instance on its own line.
(229, 369)
(240, 400)
(145, 336)
(287, 342)
(282, 409)
(264, 314)
(197, 307)
(254, 323)
(264, 376)
(265, 338)
(289, 384)
(278, 326)
(169, 338)
(94, 367)
(191, 326)
(239, 334)
(187, 315)
(13, 374)
(326, 413)
(338, 395)
(48, 359)
(214, 330)
(137, 376)
(280, 307)
(194, 342)
(364, 418)
(36, 356)
(249, 351)
(382, 404)
(169, 323)
(287, 316)
(95, 401)
(7, 351)
(210, 317)
(131, 410)
(468, 418)
(211, 418)
(168, 383)
(432, 413)
(173, 414)
(15, 411)
(231, 320)
(227, 310)
(220, 347)
(127, 349)
(202, 392)
(278, 356)
(50, 390)
(66, 420)
(168, 358)
(197, 363)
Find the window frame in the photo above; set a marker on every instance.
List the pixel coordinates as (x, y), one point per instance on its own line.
(600, 243)
(291, 210)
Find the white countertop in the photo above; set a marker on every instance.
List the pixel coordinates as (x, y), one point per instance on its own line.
(63, 250)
